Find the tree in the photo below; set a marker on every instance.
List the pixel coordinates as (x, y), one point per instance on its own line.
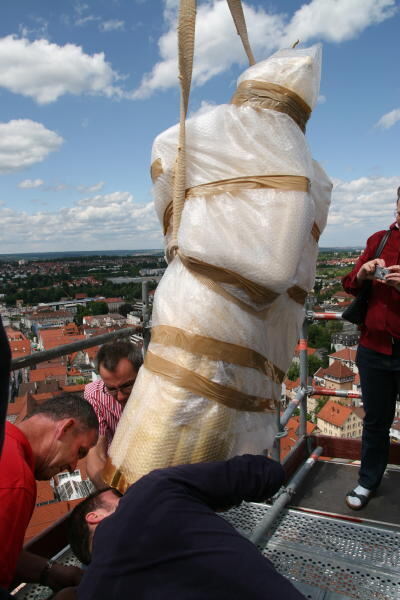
(293, 371)
(124, 309)
(92, 308)
(314, 363)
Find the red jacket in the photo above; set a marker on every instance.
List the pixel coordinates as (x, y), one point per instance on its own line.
(383, 317)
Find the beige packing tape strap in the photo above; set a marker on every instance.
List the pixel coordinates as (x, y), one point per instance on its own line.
(316, 232)
(221, 291)
(156, 169)
(296, 183)
(216, 350)
(235, 6)
(197, 384)
(260, 94)
(258, 293)
(297, 294)
(114, 477)
(186, 31)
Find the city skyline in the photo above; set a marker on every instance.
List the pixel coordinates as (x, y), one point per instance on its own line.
(85, 88)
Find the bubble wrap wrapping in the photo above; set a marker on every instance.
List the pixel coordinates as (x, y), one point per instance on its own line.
(262, 234)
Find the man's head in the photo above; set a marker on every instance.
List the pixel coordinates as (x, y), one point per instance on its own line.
(86, 516)
(61, 431)
(118, 363)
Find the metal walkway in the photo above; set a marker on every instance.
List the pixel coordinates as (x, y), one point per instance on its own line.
(325, 558)
(329, 558)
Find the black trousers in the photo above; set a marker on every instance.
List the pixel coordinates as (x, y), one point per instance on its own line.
(380, 385)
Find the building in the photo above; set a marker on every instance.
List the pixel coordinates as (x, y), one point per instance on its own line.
(337, 420)
(114, 304)
(346, 356)
(336, 377)
(46, 318)
(114, 320)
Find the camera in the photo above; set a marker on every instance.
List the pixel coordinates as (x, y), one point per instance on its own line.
(380, 272)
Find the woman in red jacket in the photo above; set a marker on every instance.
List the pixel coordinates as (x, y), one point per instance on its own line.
(378, 356)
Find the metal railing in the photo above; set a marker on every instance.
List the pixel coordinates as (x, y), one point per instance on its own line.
(305, 391)
(299, 402)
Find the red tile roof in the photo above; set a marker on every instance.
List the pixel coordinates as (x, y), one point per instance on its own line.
(337, 370)
(310, 351)
(345, 354)
(44, 516)
(42, 373)
(291, 438)
(335, 413)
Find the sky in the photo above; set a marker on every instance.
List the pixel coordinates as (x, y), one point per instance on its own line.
(86, 86)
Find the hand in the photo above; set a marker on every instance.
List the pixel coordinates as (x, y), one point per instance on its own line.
(368, 269)
(393, 278)
(62, 576)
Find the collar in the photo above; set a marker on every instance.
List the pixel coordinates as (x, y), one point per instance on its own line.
(12, 431)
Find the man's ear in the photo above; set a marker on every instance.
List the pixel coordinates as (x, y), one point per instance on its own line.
(96, 516)
(64, 426)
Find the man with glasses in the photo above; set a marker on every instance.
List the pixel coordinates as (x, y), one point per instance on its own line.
(117, 363)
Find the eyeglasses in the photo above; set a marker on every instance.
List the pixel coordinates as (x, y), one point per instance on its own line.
(125, 388)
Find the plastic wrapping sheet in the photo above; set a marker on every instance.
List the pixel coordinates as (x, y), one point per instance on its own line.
(164, 424)
(298, 69)
(229, 142)
(265, 235)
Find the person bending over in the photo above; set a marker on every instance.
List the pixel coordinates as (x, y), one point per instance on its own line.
(117, 363)
(163, 539)
(51, 439)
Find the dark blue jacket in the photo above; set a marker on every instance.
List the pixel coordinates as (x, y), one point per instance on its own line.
(165, 541)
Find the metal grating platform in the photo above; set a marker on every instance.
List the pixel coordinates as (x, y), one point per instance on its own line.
(345, 559)
(325, 558)
(34, 591)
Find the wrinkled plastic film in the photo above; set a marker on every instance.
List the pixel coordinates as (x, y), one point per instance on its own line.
(264, 235)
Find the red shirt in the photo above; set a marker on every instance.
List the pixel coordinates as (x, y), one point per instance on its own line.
(383, 317)
(106, 407)
(17, 499)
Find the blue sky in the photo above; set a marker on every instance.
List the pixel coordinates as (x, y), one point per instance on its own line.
(86, 86)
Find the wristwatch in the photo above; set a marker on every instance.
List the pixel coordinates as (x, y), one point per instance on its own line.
(45, 572)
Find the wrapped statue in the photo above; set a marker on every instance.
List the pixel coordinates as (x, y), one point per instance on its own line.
(228, 310)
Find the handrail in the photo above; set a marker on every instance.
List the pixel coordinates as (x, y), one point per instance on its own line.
(96, 340)
(305, 390)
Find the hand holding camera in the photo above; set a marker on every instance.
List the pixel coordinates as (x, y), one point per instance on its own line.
(381, 272)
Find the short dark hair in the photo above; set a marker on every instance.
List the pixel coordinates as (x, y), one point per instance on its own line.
(111, 353)
(65, 406)
(79, 535)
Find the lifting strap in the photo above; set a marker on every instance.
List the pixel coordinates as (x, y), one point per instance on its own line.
(186, 35)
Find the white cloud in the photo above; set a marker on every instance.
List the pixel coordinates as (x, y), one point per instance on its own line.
(99, 222)
(90, 189)
(367, 202)
(112, 25)
(336, 21)
(28, 184)
(389, 119)
(24, 142)
(218, 47)
(82, 21)
(45, 71)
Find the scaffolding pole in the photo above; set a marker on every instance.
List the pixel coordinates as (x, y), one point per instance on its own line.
(285, 494)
